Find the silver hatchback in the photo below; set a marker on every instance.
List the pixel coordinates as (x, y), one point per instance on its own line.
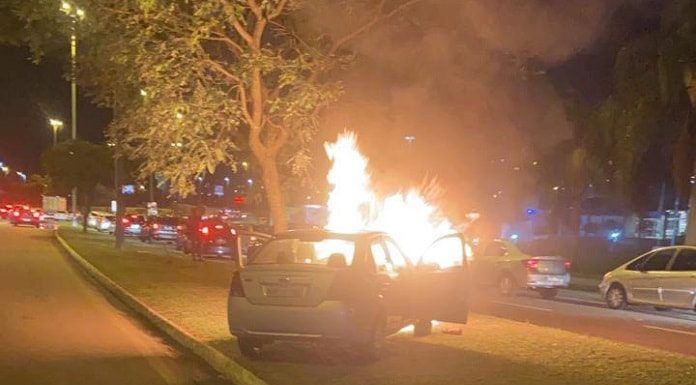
(664, 278)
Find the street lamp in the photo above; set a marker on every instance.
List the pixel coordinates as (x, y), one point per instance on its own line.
(57, 125)
(76, 14)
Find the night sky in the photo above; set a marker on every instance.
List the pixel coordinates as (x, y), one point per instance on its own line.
(29, 95)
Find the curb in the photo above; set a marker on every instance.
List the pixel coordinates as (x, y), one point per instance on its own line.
(227, 367)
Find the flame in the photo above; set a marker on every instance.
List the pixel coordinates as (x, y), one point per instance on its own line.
(408, 218)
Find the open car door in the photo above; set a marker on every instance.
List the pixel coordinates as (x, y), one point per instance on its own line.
(440, 286)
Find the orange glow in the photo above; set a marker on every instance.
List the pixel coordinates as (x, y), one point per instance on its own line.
(412, 221)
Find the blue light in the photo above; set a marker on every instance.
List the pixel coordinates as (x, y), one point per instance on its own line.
(515, 237)
(531, 211)
(614, 236)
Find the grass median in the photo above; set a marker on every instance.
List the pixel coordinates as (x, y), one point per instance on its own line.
(490, 351)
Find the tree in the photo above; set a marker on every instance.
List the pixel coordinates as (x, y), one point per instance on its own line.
(78, 164)
(646, 123)
(193, 83)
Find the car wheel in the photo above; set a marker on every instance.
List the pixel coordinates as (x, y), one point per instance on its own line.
(616, 297)
(371, 350)
(422, 328)
(249, 347)
(507, 285)
(547, 293)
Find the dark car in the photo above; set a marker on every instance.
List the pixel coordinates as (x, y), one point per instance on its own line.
(352, 289)
(160, 229)
(211, 237)
(22, 215)
(132, 225)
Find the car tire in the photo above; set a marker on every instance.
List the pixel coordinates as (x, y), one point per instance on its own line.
(372, 349)
(547, 293)
(507, 286)
(249, 347)
(422, 328)
(616, 297)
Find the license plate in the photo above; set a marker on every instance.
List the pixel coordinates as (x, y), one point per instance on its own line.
(221, 242)
(284, 291)
(555, 280)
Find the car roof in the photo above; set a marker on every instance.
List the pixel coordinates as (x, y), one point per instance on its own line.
(321, 233)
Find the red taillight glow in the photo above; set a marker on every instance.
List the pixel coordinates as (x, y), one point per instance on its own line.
(125, 221)
(155, 226)
(35, 214)
(532, 263)
(179, 227)
(219, 227)
(16, 213)
(233, 232)
(568, 264)
(205, 230)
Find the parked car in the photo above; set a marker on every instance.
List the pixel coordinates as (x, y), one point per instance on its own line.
(23, 215)
(132, 225)
(350, 289)
(106, 223)
(664, 278)
(160, 229)
(5, 211)
(503, 265)
(213, 237)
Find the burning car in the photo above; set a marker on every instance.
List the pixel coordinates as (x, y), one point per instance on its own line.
(347, 288)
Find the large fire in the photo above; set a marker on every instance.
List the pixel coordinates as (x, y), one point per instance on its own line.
(408, 217)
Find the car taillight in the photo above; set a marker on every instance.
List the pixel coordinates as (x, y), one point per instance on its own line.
(179, 227)
(236, 288)
(125, 221)
(155, 226)
(35, 214)
(568, 264)
(219, 227)
(16, 213)
(532, 263)
(205, 230)
(233, 232)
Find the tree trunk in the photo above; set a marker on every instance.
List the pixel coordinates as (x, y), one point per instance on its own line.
(691, 223)
(85, 215)
(274, 193)
(118, 228)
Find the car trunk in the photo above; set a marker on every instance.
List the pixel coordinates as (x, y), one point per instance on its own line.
(288, 285)
(550, 265)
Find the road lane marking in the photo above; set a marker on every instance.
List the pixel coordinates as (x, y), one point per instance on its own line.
(522, 306)
(580, 300)
(670, 330)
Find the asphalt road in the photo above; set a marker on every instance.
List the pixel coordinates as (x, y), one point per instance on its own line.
(56, 327)
(586, 313)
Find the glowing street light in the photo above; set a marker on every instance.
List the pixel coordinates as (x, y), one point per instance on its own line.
(57, 125)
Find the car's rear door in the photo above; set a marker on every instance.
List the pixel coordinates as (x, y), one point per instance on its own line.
(440, 284)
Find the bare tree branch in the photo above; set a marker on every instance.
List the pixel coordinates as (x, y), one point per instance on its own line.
(221, 69)
(278, 10)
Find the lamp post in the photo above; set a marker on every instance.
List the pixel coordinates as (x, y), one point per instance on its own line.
(76, 14)
(57, 125)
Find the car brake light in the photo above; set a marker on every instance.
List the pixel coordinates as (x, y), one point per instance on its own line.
(125, 221)
(532, 263)
(3, 210)
(568, 264)
(16, 213)
(205, 230)
(233, 232)
(236, 288)
(155, 226)
(219, 227)
(179, 227)
(35, 214)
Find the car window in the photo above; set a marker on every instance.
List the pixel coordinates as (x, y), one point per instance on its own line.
(658, 261)
(685, 261)
(395, 255)
(638, 263)
(329, 252)
(444, 253)
(379, 256)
